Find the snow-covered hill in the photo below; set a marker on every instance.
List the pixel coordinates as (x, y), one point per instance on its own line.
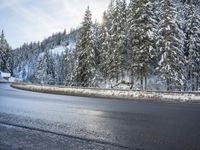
(32, 59)
(58, 50)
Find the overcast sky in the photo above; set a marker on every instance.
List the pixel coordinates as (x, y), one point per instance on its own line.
(33, 20)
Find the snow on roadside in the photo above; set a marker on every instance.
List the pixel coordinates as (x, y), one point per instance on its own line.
(132, 95)
(12, 79)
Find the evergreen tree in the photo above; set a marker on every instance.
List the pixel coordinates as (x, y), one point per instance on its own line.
(113, 51)
(133, 40)
(131, 29)
(104, 47)
(142, 29)
(122, 37)
(193, 45)
(51, 68)
(70, 66)
(5, 55)
(86, 71)
(60, 69)
(170, 45)
(105, 42)
(96, 44)
(110, 16)
(41, 71)
(117, 43)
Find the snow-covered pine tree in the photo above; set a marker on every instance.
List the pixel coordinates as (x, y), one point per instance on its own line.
(193, 45)
(104, 48)
(96, 44)
(142, 29)
(60, 69)
(58, 65)
(109, 15)
(5, 54)
(155, 60)
(45, 72)
(86, 71)
(122, 31)
(69, 67)
(113, 71)
(51, 67)
(117, 43)
(188, 2)
(170, 45)
(131, 29)
(104, 41)
(40, 75)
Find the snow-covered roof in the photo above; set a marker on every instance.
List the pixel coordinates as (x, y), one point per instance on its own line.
(5, 75)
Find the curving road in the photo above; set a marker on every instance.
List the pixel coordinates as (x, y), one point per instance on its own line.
(37, 121)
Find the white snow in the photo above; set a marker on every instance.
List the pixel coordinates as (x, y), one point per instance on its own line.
(168, 28)
(150, 34)
(5, 75)
(123, 94)
(58, 50)
(2, 80)
(72, 45)
(12, 79)
(41, 55)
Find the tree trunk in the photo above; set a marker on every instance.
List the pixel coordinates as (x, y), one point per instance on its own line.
(193, 83)
(132, 79)
(168, 87)
(197, 83)
(145, 78)
(141, 81)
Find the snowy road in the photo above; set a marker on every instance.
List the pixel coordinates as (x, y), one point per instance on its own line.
(42, 121)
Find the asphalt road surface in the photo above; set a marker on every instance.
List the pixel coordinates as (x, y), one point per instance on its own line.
(35, 121)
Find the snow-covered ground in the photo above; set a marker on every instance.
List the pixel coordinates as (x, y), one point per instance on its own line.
(55, 51)
(123, 94)
(72, 45)
(11, 80)
(58, 50)
(61, 49)
(2, 80)
(3, 76)
(7, 75)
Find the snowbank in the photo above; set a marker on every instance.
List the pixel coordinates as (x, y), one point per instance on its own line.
(12, 79)
(119, 94)
(4, 75)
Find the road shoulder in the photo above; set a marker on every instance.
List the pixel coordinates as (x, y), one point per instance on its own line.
(175, 97)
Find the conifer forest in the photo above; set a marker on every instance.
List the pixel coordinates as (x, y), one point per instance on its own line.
(138, 44)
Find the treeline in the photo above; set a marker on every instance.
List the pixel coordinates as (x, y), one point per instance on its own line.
(5, 55)
(140, 43)
(33, 62)
(142, 39)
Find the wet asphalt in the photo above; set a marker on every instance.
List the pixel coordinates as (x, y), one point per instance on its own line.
(35, 121)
